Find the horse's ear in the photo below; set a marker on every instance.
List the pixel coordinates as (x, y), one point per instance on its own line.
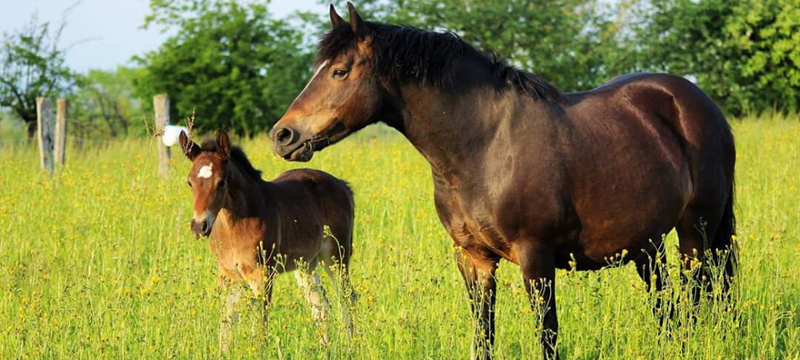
(336, 20)
(190, 149)
(223, 144)
(358, 25)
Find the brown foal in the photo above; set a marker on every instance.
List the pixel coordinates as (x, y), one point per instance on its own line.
(259, 228)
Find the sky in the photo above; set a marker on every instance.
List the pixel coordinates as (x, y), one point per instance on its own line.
(103, 34)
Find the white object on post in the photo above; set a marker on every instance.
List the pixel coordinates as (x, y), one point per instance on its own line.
(172, 133)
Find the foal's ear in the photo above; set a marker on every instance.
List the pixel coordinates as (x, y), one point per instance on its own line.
(190, 149)
(336, 20)
(223, 144)
(358, 26)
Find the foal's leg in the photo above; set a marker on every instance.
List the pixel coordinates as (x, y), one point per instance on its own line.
(539, 272)
(231, 294)
(260, 278)
(266, 301)
(344, 290)
(335, 259)
(477, 269)
(310, 284)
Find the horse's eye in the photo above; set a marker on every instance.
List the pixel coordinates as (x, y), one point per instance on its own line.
(338, 74)
(189, 183)
(221, 184)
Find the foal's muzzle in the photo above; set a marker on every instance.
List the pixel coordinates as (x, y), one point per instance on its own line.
(201, 228)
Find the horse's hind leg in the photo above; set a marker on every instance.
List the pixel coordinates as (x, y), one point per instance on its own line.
(344, 290)
(335, 258)
(310, 284)
(695, 229)
(653, 271)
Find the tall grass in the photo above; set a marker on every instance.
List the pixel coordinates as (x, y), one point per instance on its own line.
(98, 262)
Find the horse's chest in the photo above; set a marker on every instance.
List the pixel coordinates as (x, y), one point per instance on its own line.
(237, 245)
(471, 225)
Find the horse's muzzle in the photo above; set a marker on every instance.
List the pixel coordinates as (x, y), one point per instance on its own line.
(290, 144)
(201, 228)
(284, 136)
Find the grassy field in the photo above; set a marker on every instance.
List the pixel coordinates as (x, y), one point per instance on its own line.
(98, 263)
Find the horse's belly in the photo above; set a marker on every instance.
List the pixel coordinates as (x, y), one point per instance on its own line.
(633, 220)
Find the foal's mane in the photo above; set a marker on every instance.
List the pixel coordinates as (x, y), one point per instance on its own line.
(236, 157)
(405, 53)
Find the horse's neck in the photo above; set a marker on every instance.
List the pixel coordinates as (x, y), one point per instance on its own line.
(243, 194)
(454, 132)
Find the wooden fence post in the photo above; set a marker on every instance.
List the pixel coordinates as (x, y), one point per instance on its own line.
(61, 132)
(44, 133)
(161, 105)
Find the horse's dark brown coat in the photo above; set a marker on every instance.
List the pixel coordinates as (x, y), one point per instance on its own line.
(521, 171)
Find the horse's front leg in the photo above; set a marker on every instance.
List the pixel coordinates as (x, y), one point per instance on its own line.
(478, 267)
(231, 295)
(261, 278)
(266, 300)
(539, 273)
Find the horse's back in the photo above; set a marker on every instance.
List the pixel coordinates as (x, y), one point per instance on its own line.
(319, 183)
(690, 116)
(656, 138)
(327, 197)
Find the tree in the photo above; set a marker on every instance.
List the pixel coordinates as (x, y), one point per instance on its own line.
(235, 65)
(572, 43)
(744, 53)
(32, 66)
(103, 104)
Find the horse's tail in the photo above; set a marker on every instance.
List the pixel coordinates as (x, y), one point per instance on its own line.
(724, 249)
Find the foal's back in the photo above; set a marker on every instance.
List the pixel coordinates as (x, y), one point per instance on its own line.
(306, 202)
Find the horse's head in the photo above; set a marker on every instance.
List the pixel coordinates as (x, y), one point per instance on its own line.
(343, 95)
(208, 179)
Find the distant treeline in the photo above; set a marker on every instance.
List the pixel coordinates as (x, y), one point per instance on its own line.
(239, 67)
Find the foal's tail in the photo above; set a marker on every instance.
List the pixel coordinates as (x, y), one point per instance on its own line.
(351, 208)
(724, 248)
(350, 194)
(352, 204)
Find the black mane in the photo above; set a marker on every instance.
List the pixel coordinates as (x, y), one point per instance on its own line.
(404, 53)
(237, 157)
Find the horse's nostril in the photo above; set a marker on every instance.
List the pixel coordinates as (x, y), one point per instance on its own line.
(196, 227)
(284, 136)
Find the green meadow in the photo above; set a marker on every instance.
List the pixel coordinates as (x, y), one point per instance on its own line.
(97, 262)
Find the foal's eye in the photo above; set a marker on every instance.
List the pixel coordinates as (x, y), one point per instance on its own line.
(189, 183)
(338, 74)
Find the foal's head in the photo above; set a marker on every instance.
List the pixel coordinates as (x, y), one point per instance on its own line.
(208, 179)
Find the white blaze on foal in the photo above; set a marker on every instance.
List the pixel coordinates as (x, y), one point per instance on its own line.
(205, 171)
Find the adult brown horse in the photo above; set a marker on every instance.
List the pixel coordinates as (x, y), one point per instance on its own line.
(522, 171)
(259, 228)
